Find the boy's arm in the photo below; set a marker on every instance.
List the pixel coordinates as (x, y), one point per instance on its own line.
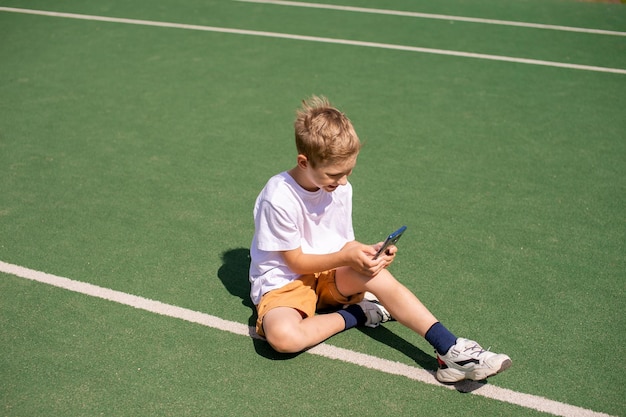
(354, 254)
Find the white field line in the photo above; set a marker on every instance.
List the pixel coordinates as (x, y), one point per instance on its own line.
(437, 16)
(395, 368)
(316, 39)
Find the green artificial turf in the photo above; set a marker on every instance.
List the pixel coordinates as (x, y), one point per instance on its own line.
(131, 157)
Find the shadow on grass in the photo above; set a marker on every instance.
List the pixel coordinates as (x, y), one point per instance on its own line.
(234, 275)
(389, 338)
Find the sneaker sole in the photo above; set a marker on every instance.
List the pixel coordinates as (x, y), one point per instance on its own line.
(451, 376)
(479, 376)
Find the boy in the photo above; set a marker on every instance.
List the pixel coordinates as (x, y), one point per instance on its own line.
(305, 258)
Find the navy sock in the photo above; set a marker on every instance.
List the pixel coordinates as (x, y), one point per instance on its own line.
(353, 316)
(440, 338)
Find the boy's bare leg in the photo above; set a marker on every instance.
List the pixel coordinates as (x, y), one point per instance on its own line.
(287, 332)
(403, 305)
(458, 358)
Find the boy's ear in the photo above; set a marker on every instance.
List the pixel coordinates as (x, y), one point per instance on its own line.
(303, 161)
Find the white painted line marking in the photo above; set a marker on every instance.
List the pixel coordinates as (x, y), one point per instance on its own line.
(317, 39)
(437, 16)
(372, 362)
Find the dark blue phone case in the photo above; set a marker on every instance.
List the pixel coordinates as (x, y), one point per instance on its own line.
(392, 239)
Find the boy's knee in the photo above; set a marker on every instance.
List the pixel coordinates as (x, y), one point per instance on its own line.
(283, 340)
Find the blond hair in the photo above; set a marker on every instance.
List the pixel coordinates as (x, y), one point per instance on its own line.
(323, 133)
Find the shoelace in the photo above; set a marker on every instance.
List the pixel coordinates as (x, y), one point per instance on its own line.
(475, 350)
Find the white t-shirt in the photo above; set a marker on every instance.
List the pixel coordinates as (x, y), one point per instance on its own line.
(286, 216)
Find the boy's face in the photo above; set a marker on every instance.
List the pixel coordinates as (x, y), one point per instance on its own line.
(327, 176)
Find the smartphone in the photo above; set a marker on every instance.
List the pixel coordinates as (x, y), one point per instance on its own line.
(392, 239)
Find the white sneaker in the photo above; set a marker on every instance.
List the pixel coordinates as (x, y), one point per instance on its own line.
(467, 360)
(375, 312)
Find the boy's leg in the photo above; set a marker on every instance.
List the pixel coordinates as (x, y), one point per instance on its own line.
(403, 305)
(286, 331)
(287, 318)
(458, 358)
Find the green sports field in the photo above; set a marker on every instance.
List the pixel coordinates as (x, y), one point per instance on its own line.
(135, 136)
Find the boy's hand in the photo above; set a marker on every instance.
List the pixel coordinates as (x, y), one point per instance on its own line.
(388, 255)
(360, 257)
(390, 252)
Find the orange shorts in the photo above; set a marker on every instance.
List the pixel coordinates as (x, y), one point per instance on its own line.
(307, 294)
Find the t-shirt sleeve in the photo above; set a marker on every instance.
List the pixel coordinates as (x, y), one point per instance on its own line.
(276, 228)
